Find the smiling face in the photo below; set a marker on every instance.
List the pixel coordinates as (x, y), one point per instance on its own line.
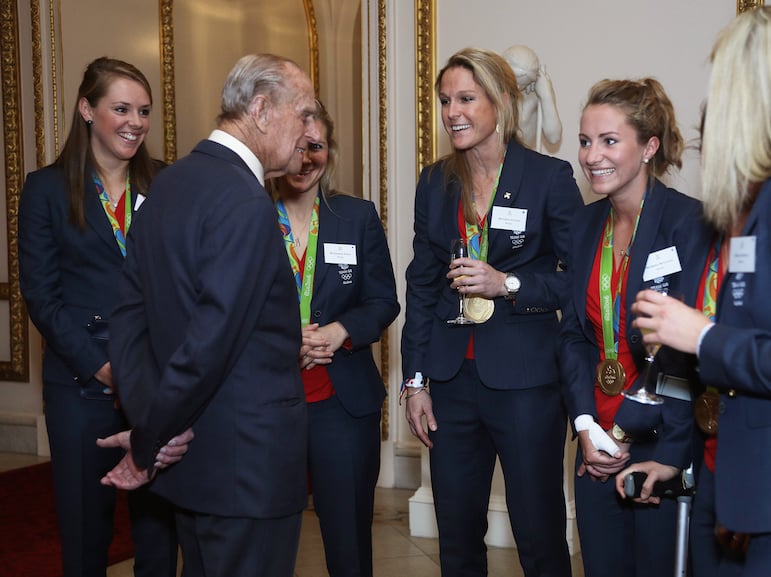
(121, 119)
(610, 154)
(468, 114)
(314, 164)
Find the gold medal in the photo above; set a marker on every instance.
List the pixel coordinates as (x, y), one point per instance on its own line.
(706, 409)
(611, 377)
(479, 309)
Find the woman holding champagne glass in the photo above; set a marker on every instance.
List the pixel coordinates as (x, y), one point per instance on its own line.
(494, 384)
(636, 236)
(732, 508)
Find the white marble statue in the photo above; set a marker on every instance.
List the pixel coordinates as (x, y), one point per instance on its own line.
(538, 114)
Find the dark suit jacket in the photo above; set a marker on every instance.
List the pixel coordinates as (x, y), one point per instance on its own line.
(67, 275)
(516, 348)
(207, 335)
(669, 218)
(736, 356)
(361, 297)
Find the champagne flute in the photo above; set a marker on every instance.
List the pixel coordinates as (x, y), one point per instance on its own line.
(459, 249)
(642, 394)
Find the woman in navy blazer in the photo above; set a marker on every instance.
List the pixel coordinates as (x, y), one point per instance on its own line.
(734, 351)
(347, 293)
(494, 385)
(636, 236)
(73, 220)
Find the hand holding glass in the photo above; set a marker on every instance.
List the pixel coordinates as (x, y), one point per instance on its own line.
(642, 394)
(459, 249)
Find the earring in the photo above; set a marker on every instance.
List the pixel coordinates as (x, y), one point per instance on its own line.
(89, 122)
(645, 161)
(497, 128)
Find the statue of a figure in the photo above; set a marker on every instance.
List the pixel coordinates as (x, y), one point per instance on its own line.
(538, 112)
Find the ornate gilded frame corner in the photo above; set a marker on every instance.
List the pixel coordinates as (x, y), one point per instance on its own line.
(17, 368)
(425, 71)
(745, 5)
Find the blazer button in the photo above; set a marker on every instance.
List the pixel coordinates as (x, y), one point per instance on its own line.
(316, 314)
(634, 339)
(732, 393)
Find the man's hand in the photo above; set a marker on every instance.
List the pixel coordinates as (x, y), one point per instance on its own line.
(126, 475)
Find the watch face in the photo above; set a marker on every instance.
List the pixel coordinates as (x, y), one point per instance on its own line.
(512, 283)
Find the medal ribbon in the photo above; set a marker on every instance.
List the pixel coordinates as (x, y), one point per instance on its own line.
(120, 235)
(610, 302)
(477, 239)
(304, 279)
(712, 279)
(712, 282)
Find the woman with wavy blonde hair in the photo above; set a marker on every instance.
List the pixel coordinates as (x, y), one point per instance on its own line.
(733, 344)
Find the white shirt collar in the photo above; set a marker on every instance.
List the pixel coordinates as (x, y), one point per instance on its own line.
(229, 141)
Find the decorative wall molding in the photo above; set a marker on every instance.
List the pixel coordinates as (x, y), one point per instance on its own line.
(313, 43)
(17, 368)
(382, 75)
(166, 19)
(425, 71)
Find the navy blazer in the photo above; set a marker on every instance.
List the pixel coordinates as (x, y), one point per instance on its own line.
(362, 297)
(207, 335)
(67, 275)
(736, 357)
(516, 348)
(669, 218)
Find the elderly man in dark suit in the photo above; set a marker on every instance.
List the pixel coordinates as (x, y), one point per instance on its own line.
(207, 334)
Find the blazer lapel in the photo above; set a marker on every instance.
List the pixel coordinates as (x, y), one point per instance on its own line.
(94, 215)
(509, 185)
(644, 240)
(328, 232)
(589, 228)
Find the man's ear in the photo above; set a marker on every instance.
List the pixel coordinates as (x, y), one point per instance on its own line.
(259, 110)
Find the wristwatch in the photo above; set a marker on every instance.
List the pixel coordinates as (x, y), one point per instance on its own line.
(512, 285)
(619, 434)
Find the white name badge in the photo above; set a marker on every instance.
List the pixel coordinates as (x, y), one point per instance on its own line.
(662, 263)
(138, 202)
(673, 387)
(506, 218)
(741, 257)
(339, 253)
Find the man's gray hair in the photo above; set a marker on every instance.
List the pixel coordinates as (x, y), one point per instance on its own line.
(253, 74)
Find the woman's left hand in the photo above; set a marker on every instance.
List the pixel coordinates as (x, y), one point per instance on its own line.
(475, 277)
(320, 343)
(655, 472)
